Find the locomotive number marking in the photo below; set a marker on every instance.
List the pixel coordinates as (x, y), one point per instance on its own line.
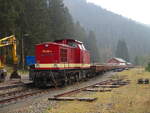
(46, 51)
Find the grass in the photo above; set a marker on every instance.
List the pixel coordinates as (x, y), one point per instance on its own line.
(133, 98)
(21, 72)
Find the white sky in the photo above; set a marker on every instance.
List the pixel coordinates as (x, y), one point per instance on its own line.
(138, 10)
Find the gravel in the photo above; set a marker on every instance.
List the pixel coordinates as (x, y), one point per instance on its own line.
(40, 104)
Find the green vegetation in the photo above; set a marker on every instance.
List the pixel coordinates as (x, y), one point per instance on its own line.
(147, 68)
(93, 47)
(132, 98)
(109, 28)
(38, 21)
(122, 50)
(141, 60)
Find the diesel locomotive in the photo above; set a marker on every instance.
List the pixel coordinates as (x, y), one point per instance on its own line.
(63, 62)
(60, 62)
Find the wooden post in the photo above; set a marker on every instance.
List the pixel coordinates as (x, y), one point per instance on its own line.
(23, 60)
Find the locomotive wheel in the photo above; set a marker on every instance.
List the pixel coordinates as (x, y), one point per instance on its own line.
(76, 78)
(65, 80)
(62, 83)
(36, 83)
(69, 81)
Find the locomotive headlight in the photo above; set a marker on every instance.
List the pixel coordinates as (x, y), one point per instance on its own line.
(37, 65)
(46, 45)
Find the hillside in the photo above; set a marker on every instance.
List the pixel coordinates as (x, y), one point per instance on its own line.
(110, 27)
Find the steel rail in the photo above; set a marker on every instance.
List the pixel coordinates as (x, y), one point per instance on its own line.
(81, 89)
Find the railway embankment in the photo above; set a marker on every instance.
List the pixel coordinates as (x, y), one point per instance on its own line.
(130, 98)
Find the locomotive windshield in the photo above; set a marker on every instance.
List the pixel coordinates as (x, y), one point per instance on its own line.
(81, 46)
(76, 45)
(73, 44)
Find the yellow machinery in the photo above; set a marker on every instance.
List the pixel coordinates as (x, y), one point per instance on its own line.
(11, 42)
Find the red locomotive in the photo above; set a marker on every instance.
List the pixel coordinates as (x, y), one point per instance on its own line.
(64, 62)
(60, 62)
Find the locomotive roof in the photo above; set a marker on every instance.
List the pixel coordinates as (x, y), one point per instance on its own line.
(55, 42)
(51, 43)
(69, 40)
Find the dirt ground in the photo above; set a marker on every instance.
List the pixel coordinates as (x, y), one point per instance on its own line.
(132, 98)
(40, 103)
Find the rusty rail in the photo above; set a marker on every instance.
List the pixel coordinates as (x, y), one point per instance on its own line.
(15, 98)
(20, 95)
(14, 86)
(81, 89)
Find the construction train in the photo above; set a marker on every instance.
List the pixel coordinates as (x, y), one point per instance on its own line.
(63, 62)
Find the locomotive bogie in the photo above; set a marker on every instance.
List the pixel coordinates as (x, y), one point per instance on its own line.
(58, 78)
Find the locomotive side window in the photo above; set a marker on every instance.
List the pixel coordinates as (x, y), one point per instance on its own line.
(63, 55)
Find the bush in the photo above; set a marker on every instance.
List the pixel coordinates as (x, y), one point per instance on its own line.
(148, 67)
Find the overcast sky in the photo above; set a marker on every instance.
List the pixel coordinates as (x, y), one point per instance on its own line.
(138, 10)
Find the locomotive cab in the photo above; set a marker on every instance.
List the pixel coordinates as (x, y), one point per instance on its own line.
(77, 53)
(72, 43)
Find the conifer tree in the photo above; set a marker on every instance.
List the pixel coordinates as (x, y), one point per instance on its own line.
(9, 14)
(36, 21)
(80, 33)
(122, 50)
(92, 47)
(61, 21)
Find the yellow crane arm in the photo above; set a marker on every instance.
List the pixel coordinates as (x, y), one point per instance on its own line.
(10, 41)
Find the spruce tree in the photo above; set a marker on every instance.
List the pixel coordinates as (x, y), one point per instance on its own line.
(61, 21)
(92, 47)
(34, 23)
(80, 33)
(9, 14)
(122, 50)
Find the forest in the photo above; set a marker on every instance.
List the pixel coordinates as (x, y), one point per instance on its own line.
(37, 21)
(109, 28)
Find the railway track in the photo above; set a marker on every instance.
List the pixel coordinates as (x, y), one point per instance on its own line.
(10, 82)
(22, 94)
(108, 83)
(81, 89)
(16, 96)
(11, 86)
